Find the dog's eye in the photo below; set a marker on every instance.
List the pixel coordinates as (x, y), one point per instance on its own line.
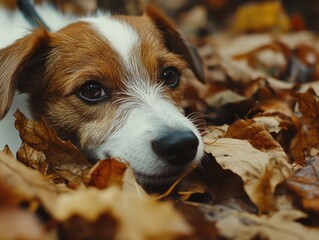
(92, 92)
(171, 77)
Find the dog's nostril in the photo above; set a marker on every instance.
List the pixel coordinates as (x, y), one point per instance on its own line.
(177, 147)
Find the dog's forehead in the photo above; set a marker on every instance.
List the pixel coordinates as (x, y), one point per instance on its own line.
(119, 34)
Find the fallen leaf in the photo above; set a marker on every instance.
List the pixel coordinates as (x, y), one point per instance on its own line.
(307, 136)
(254, 133)
(19, 183)
(105, 173)
(156, 220)
(259, 17)
(281, 225)
(309, 106)
(63, 159)
(256, 157)
(209, 183)
(32, 158)
(78, 228)
(204, 228)
(305, 185)
(7, 151)
(20, 224)
(270, 123)
(130, 183)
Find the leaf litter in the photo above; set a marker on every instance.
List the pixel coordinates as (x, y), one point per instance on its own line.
(258, 179)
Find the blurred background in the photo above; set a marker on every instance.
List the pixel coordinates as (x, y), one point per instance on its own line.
(203, 17)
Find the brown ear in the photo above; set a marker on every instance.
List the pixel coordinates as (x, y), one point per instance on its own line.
(20, 65)
(175, 42)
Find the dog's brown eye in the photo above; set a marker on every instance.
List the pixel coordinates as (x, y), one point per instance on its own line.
(92, 92)
(171, 77)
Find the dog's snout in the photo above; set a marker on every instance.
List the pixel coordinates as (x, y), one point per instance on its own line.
(177, 147)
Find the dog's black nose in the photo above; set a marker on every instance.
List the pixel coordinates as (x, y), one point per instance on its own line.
(176, 147)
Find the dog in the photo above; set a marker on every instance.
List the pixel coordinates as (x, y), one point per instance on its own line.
(112, 84)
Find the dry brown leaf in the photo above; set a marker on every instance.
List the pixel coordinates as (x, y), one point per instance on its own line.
(255, 157)
(32, 158)
(309, 106)
(307, 136)
(105, 173)
(281, 225)
(111, 171)
(20, 224)
(130, 183)
(78, 228)
(270, 123)
(63, 159)
(204, 228)
(224, 97)
(138, 218)
(211, 184)
(305, 184)
(254, 133)
(19, 183)
(7, 151)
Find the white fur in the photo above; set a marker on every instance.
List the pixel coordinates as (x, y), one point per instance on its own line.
(146, 117)
(120, 35)
(144, 114)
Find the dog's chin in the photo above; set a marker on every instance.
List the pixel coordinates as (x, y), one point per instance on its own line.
(158, 182)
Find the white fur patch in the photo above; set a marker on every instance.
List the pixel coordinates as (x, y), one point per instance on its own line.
(120, 35)
(148, 112)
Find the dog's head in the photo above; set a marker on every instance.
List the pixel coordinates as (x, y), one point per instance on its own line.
(112, 85)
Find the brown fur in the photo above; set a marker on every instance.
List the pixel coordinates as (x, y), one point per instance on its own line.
(53, 66)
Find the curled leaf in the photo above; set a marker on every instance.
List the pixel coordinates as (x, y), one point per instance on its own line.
(305, 185)
(62, 159)
(256, 157)
(105, 173)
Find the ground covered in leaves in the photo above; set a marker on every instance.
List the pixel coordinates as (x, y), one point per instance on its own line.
(259, 179)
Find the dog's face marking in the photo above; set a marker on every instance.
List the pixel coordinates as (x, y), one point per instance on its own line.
(128, 60)
(121, 36)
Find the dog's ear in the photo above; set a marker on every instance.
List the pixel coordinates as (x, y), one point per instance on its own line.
(175, 42)
(21, 65)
